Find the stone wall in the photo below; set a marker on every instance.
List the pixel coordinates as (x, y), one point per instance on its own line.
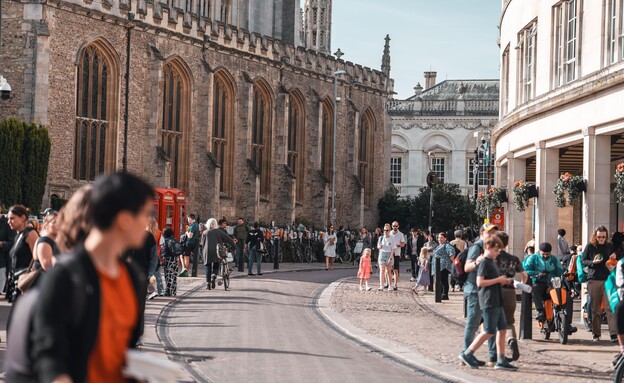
(246, 57)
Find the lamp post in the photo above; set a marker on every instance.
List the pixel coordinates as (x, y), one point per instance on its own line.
(431, 180)
(332, 217)
(127, 91)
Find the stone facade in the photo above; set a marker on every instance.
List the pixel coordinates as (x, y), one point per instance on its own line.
(42, 44)
(441, 121)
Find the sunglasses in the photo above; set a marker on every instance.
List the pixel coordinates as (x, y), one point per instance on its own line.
(386, 229)
(601, 236)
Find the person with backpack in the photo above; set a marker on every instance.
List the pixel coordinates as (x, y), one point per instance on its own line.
(459, 245)
(473, 311)
(170, 251)
(190, 240)
(253, 240)
(111, 296)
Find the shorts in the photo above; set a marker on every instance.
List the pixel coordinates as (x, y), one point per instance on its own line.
(383, 258)
(397, 262)
(494, 320)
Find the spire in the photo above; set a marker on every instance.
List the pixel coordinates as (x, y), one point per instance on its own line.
(385, 59)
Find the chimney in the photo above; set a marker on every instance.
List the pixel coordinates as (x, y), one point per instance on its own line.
(430, 79)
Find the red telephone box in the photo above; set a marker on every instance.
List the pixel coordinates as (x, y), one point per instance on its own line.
(171, 210)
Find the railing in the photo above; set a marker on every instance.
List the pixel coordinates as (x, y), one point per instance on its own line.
(442, 107)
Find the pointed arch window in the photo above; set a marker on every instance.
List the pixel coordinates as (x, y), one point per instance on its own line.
(96, 114)
(327, 145)
(261, 137)
(223, 131)
(296, 145)
(366, 156)
(175, 120)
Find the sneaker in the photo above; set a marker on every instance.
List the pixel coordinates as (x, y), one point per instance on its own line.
(389, 290)
(386, 286)
(251, 274)
(469, 360)
(368, 289)
(505, 366)
(573, 329)
(490, 363)
(259, 273)
(395, 288)
(412, 279)
(181, 273)
(361, 288)
(614, 339)
(515, 351)
(186, 274)
(380, 289)
(152, 295)
(445, 297)
(480, 363)
(596, 338)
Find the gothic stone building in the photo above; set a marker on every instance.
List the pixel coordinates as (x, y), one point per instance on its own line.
(230, 101)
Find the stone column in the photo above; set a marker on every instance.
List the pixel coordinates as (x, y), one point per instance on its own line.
(597, 172)
(547, 215)
(514, 219)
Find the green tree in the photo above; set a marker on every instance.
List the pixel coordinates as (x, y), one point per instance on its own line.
(36, 157)
(24, 156)
(450, 208)
(11, 145)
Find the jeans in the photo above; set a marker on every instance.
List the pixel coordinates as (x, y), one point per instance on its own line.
(240, 254)
(414, 264)
(444, 279)
(254, 256)
(212, 268)
(473, 321)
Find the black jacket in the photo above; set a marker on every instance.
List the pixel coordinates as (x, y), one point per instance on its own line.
(599, 271)
(209, 240)
(6, 237)
(60, 346)
(254, 237)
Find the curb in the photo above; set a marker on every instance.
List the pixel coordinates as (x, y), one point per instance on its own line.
(407, 356)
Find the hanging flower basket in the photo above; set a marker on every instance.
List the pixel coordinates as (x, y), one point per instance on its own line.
(522, 191)
(619, 182)
(573, 185)
(490, 201)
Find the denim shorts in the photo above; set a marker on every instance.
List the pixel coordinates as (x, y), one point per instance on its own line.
(383, 258)
(494, 320)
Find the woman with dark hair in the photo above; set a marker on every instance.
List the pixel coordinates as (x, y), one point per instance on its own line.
(22, 251)
(595, 257)
(104, 294)
(46, 249)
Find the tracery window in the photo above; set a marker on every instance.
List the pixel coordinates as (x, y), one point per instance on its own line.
(175, 122)
(96, 113)
(366, 155)
(327, 143)
(296, 142)
(223, 130)
(261, 136)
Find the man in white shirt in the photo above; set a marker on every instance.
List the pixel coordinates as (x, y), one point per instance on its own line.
(399, 239)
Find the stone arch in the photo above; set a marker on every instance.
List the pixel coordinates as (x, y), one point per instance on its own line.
(327, 134)
(262, 133)
(223, 135)
(296, 139)
(366, 153)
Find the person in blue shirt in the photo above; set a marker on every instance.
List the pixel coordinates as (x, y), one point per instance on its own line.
(541, 267)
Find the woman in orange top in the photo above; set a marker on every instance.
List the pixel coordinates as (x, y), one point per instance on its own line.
(102, 296)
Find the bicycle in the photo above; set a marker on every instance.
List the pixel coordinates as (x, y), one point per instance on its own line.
(618, 362)
(307, 250)
(225, 271)
(344, 257)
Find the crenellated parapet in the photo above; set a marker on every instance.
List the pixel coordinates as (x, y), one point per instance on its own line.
(172, 20)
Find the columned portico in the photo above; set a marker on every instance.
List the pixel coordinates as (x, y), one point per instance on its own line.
(514, 220)
(597, 172)
(547, 215)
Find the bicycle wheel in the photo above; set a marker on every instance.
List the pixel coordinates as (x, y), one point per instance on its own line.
(346, 257)
(225, 274)
(619, 370)
(563, 331)
(308, 254)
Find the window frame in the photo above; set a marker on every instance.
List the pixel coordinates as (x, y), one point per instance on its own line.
(527, 44)
(223, 132)
(261, 134)
(295, 149)
(398, 163)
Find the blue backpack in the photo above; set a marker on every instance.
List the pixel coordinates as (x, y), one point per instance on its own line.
(581, 271)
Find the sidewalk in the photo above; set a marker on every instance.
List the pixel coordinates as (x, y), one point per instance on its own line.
(433, 332)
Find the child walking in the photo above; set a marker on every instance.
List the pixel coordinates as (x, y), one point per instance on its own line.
(490, 294)
(365, 270)
(423, 279)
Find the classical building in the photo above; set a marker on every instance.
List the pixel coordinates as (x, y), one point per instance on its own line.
(562, 86)
(443, 128)
(231, 101)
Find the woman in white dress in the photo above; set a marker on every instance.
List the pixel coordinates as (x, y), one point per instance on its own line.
(330, 248)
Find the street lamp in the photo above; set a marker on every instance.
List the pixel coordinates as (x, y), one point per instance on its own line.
(431, 180)
(332, 217)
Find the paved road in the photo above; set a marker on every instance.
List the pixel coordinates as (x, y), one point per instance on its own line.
(265, 330)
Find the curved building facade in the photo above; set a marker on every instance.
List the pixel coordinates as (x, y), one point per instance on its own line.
(562, 85)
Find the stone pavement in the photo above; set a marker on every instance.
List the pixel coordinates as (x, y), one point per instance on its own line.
(424, 332)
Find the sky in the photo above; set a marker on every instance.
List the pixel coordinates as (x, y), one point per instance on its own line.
(455, 38)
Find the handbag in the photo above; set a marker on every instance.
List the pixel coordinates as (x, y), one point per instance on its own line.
(261, 247)
(26, 279)
(358, 247)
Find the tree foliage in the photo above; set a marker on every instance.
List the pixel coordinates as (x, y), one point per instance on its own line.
(24, 156)
(450, 208)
